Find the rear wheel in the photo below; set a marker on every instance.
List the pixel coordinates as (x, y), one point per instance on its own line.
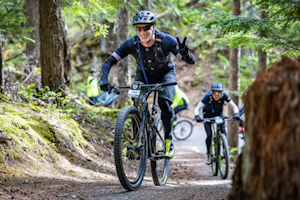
(223, 157)
(214, 159)
(130, 148)
(183, 129)
(159, 166)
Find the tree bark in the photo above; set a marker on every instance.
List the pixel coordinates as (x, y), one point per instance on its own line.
(262, 61)
(1, 67)
(147, 4)
(32, 51)
(250, 12)
(55, 53)
(262, 55)
(123, 66)
(233, 83)
(268, 168)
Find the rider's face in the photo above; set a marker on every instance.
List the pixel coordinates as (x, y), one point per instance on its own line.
(144, 35)
(216, 95)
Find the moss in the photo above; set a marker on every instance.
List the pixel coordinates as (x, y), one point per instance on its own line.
(12, 171)
(110, 141)
(36, 108)
(72, 127)
(73, 173)
(86, 135)
(44, 129)
(7, 109)
(89, 41)
(2, 157)
(20, 104)
(103, 131)
(4, 98)
(13, 155)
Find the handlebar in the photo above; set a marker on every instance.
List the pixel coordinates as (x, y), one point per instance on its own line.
(154, 87)
(212, 119)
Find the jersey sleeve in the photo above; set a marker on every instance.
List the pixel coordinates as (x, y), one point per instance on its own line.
(170, 44)
(226, 97)
(126, 48)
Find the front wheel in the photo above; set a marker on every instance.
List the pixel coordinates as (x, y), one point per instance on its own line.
(160, 166)
(223, 156)
(130, 148)
(183, 129)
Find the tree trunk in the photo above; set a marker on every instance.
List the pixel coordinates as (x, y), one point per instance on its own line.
(262, 56)
(147, 5)
(55, 53)
(1, 67)
(32, 51)
(250, 12)
(123, 66)
(233, 83)
(262, 61)
(269, 165)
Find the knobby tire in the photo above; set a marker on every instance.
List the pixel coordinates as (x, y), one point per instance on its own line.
(132, 114)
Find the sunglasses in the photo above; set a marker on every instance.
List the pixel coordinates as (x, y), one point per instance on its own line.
(145, 28)
(216, 92)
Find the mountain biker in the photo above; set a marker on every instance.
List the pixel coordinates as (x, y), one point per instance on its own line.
(156, 67)
(93, 86)
(212, 105)
(180, 101)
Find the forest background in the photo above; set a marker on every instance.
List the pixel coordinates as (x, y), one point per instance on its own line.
(47, 47)
(233, 39)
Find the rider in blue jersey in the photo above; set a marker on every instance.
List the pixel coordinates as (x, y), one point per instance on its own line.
(154, 64)
(212, 105)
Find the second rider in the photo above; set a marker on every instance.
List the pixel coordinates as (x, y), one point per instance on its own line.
(152, 50)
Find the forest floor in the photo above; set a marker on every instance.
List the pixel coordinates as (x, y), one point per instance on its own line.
(189, 178)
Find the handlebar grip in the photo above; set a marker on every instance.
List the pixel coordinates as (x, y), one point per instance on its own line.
(168, 84)
(121, 87)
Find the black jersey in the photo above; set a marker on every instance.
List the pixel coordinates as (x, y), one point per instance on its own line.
(214, 108)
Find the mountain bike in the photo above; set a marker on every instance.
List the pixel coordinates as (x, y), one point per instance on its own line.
(137, 138)
(219, 147)
(182, 129)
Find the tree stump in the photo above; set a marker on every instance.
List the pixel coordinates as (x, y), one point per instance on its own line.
(268, 168)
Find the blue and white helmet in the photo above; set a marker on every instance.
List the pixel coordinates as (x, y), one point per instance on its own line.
(217, 87)
(144, 17)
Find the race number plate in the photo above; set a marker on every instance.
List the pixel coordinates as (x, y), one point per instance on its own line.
(218, 120)
(134, 91)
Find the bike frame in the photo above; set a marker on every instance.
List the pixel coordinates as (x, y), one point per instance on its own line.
(147, 124)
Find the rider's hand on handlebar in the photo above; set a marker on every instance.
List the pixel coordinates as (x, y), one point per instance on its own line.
(105, 86)
(236, 116)
(198, 118)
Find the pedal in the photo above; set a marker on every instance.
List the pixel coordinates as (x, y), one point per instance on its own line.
(155, 156)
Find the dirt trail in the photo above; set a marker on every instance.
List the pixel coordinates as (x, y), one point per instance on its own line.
(189, 178)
